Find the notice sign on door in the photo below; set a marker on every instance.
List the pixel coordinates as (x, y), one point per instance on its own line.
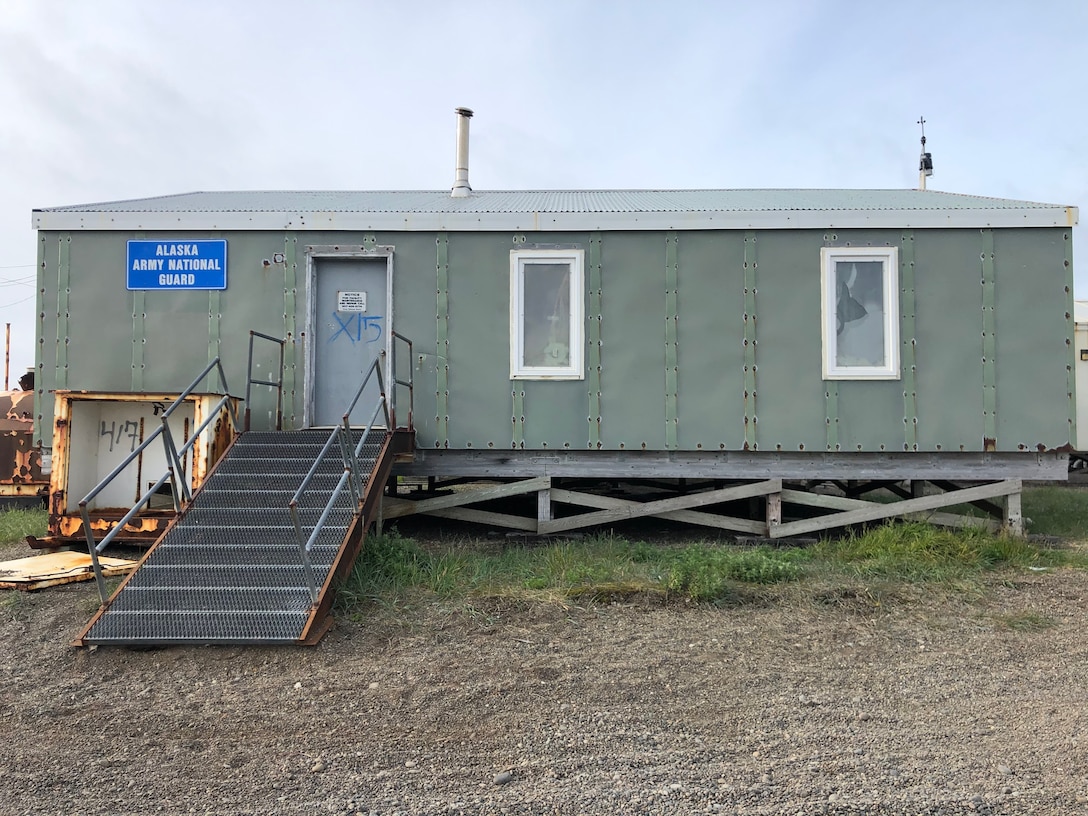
(351, 301)
(196, 264)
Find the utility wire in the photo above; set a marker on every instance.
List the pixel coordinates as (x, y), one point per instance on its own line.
(17, 302)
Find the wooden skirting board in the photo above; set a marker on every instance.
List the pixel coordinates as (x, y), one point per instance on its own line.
(694, 506)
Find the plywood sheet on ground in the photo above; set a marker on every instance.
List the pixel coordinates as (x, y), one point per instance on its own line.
(51, 569)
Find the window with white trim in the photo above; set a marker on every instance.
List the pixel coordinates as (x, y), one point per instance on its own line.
(859, 294)
(546, 314)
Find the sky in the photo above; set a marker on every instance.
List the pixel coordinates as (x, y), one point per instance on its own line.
(118, 99)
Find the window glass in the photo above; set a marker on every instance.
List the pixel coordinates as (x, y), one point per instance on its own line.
(859, 313)
(546, 308)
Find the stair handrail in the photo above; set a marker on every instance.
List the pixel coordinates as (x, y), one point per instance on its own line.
(175, 472)
(395, 381)
(277, 384)
(306, 543)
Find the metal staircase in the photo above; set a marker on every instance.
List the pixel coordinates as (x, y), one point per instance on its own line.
(254, 555)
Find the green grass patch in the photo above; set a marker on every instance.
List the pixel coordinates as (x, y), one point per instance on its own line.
(12, 605)
(917, 552)
(1025, 621)
(395, 570)
(711, 574)
(881, 563)
(18, 523)
(1057, 510)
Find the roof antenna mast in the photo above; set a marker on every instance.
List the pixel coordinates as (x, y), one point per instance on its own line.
(925, 161)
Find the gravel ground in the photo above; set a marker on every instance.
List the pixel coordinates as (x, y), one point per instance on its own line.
(930, 705)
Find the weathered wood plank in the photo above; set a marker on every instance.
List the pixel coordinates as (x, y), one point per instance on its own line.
(874, 512)
(714, 520)
(487, 517)
(397, 508)
(774, 510)
(632, 509)
(1014, 517)
(745, 465)
(995, 510)
(543, 505)
(955, 520)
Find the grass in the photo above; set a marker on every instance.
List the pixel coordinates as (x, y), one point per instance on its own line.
(1057, 511)
(866, 567)
(862, 567)
(1026, 621)
(17, 524)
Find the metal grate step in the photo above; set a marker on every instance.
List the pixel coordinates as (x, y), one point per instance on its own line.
(202, 599)
(143, 627)
(255, 536)
(239, 555)
(266, 516)
(230, 569)
(251, 576)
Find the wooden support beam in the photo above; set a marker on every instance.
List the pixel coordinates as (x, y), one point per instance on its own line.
(955, 520)
(774, 510)
(1014, 516)
(995, 510)
(741, 465)
(396, 508)
(544, 505)
(487, 517)
(842, 503)
(667, 508)
(687, 516)
(874, 512)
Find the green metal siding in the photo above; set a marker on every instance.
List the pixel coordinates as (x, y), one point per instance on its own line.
(711, 341)
(791, 392)
(480, 402)
(1031, 301)
(633, 341)
(666, 360)
(948, 325)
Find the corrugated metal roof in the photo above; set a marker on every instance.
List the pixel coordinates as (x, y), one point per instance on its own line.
(554, 201)
(541, 210)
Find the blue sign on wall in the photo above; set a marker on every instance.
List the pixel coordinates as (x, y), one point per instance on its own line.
(194, 264)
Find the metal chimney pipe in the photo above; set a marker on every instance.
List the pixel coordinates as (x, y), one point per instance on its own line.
(461, 188)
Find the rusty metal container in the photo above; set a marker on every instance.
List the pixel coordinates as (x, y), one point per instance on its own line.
(21, 478)
(93, 432)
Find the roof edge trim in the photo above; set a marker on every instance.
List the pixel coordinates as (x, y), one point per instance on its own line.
(554, 222)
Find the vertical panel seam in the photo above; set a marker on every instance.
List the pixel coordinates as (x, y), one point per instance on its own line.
(908, 343)
(214, 316)
(517, 414)
(290, 323)
(593, 318)
(831, 394)
(989, 343)
(64, 280)
(671, 345)
(751, 441)
(139, 334)
(442, 345)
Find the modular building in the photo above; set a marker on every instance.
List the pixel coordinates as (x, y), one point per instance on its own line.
(733, 352)
(737, 345)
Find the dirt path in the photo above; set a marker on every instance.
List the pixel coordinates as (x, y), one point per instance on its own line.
(935, 707)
